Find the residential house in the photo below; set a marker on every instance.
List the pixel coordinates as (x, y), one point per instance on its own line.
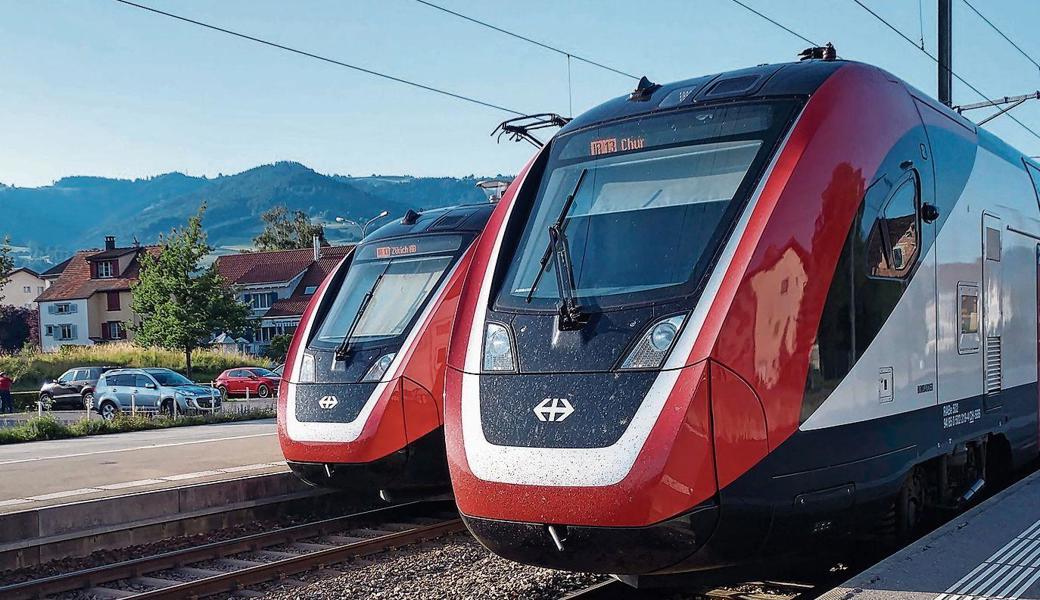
(278, 285)
(22, 288)
(89, 302)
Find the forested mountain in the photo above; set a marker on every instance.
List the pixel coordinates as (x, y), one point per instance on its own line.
(46, 224)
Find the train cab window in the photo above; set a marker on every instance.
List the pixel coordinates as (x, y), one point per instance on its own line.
(894, 241)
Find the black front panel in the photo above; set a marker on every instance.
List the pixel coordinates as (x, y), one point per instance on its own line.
(331, 403)
(603, 406)
(350, 369)
(598, 346)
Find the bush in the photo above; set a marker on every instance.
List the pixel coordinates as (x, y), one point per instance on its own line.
(48, 428)
(31, 369)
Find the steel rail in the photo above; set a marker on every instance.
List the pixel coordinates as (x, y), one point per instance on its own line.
(129, 569)
(236, 580)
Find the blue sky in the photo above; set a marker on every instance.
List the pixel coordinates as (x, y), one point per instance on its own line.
(93, 87)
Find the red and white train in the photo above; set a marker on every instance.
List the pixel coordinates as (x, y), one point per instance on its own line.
(715, 320)
(360, 404)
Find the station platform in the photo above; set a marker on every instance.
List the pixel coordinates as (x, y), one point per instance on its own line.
(991, 551)
(40, 474)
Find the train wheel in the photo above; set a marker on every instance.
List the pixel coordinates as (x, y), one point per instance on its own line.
(909, 508)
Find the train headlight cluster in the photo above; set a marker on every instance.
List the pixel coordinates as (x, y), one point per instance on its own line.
(498, 349)
(653, 347)
(378, 368)
(307, 368)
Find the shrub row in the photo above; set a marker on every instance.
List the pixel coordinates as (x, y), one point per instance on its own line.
(31, 369)
(48, 428)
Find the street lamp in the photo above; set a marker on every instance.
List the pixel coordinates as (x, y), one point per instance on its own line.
(373, 220)
(363, 228)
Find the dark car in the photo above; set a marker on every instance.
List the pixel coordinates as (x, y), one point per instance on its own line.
(74, 389)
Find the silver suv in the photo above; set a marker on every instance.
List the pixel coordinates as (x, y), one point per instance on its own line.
(151, 390)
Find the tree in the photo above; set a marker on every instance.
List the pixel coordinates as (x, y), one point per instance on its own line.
(283, 231)
(6, 265)
(181, 303)
(279, 347)
(17, 327)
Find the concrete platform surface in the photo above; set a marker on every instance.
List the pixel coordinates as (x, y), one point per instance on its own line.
(991, 551)
(56, 472)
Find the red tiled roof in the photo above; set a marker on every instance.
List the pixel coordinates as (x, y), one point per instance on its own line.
(294, 305)
(24, 270)
(57, 269)
(75, 283)
(259, 267)
(272, 267)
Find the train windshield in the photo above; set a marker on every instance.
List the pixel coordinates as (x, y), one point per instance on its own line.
(397, 278)
(652, 199)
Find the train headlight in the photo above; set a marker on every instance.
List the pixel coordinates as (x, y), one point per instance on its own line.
(498, 349)
(378, 368)
(653, 347)
(307, 368)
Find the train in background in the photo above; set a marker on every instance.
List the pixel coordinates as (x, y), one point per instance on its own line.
(715, 321)
(360, 404)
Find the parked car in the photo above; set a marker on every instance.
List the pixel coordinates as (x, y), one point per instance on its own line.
(152, 390)
(255, 381)
(74, 389)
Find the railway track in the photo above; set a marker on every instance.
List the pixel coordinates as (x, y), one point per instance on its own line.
(234, 565)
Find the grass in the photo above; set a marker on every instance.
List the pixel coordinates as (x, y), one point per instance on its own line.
(48, 428)
(31, 369)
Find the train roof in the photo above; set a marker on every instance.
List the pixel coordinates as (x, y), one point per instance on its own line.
(462, 218)
(783, 79)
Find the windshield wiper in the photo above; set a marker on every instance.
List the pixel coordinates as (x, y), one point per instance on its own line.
(344, 348)
(570, 313)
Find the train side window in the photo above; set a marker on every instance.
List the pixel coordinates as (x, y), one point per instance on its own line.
(968, 305)
(895, 238)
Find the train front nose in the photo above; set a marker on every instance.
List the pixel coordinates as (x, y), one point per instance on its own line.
(348, 436)
(618, 479)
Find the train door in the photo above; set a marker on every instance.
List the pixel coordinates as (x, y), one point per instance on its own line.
(992, 311)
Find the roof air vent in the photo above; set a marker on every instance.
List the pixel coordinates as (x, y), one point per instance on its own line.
(644, 90)
(410, 217)
(819, 53)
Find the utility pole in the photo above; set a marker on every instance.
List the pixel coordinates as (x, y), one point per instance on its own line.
(946, 52)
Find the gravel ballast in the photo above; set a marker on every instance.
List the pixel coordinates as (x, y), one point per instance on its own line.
(452, 567)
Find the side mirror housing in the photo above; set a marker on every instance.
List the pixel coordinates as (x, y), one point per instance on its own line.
(929, 212)
(150, 386)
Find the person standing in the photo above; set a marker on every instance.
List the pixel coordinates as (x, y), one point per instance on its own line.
(6, 402)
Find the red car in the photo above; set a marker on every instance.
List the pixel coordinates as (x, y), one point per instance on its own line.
(252, 381)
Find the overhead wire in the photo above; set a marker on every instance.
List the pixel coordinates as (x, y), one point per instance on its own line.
(777, 23)
(936, 60)
(401, 80)
(566, 53)
(1002, 34)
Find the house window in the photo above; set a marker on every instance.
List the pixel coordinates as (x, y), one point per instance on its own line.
(63, 309)
(66, 332)
(113, 301)
(49, 332)
(39, 289)
(114, 330)
(27, 289)
(260, 301)
(106, 269)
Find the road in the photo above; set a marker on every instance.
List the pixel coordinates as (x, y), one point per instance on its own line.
(42, 473)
